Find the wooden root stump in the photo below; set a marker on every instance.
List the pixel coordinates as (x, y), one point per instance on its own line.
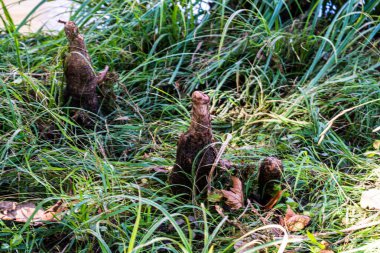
(195, 151)
(81, 78)
(270, 173)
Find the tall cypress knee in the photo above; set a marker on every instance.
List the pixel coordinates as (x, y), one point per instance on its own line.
(195, 153)
(81, 79)
(270, 173)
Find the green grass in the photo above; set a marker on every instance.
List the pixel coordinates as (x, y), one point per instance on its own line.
(277, 72)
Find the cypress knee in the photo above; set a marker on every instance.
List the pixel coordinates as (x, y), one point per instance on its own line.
(270, 173)
(195, 152)
(81, 79)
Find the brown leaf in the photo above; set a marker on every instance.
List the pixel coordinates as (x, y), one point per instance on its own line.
(295, 222)
(55, 212)
(273, 201)
(19, 212)
(289, 213)
(13, 211)
(7, 205)
(235, 197)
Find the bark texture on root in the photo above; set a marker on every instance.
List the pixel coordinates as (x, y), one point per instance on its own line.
(270, 173)
(81, 79)
(195, 153)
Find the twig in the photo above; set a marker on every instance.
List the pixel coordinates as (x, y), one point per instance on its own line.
(242, 214)
(300, 238)
(237, 224)
(253, 209)
(358, 227)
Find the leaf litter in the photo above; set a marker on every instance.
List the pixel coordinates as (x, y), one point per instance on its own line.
(24, 212)
(295, 222)
(235, 197)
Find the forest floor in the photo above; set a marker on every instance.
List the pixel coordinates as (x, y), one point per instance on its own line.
(303, 88)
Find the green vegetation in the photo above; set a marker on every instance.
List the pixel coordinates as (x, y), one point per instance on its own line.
(277, 72)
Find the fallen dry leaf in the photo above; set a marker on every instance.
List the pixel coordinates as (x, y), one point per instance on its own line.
(55, 212)
(273, 201)
(295, 222)
(7, 205)
(235, 223)
(370, 199)
(235, 197)
(13, 211)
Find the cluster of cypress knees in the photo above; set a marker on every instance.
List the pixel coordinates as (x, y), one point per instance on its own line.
(196, 152)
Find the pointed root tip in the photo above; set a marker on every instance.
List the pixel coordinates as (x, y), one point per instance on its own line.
(200, 97)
